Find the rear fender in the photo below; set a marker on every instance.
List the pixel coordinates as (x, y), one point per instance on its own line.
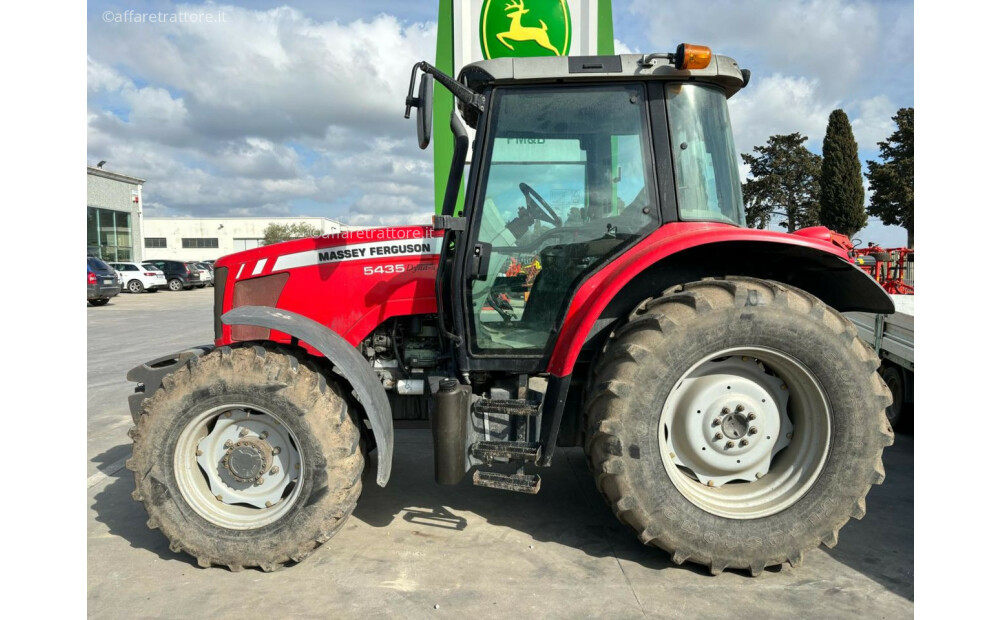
(813, 265)
(348, 361)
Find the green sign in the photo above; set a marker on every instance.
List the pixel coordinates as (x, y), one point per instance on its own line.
(524, 28)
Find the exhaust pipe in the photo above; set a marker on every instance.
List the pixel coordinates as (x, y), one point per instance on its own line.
(448, 425)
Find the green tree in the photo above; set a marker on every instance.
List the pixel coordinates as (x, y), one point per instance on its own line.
(842, 193)
(785, 183)
(276, 233)
(891, 181)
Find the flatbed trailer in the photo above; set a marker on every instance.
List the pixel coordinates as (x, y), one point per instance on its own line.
(891, 335)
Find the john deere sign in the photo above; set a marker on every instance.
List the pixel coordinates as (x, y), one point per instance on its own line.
(473, 30)
(524, 28)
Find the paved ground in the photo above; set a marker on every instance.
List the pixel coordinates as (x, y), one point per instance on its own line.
(468, 550)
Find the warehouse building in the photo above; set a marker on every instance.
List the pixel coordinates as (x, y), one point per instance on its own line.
(114, 215)
(208, 238)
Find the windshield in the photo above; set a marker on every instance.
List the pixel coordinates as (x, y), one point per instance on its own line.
(705, 168)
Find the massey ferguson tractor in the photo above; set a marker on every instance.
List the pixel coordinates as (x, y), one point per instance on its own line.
(596, 286)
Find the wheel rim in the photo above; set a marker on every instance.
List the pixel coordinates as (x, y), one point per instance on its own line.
(175, 285)
(745, 432)
(238, 466)
(134, 286)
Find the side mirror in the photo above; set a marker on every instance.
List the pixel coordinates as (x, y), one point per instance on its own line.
(425, 110)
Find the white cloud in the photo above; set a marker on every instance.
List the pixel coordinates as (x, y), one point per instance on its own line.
(249, 115)
(622, 48)
(779, 104)
(832, 40)
(874, 123)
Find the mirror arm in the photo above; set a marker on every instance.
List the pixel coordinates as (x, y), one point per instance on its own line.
(462, 93)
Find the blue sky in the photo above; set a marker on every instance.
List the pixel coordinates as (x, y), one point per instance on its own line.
(296, 108)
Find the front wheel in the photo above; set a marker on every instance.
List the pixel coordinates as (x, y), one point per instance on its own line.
(247, 458)
(99, 302)
(737, 423)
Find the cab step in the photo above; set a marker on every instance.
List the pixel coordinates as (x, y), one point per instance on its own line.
(513, 406)
(522, 483)
(516, 450)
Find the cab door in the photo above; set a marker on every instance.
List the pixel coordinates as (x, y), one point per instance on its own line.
(566, 183)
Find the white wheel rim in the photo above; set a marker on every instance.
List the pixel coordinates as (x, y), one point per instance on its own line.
(745, 432)
(238, 466)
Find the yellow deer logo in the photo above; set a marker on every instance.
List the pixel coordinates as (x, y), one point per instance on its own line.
(518, 32)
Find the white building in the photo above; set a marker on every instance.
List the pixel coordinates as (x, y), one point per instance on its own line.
(208, 238)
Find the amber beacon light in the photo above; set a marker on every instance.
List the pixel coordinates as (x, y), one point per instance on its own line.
(690, 56)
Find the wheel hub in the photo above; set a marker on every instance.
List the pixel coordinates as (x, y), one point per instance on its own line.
(735, 425)
(248, 459)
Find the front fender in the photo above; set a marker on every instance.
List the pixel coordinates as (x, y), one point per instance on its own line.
(354, 367)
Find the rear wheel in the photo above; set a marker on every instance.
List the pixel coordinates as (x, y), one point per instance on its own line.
(175, 284)
(737, 423)
(894, 381)
(135, 286)
(247, 458)
(98, 302)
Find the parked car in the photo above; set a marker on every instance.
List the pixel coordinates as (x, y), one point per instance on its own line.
(179, 275)
(102, 282)
(139, 277)
(203, 275)
(211, 271)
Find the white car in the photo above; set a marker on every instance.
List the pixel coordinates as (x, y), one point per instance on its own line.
(139, 277)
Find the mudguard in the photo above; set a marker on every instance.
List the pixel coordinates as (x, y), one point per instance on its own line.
(354, 367)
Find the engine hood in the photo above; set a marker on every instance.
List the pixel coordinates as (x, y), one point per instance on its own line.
(350, 282)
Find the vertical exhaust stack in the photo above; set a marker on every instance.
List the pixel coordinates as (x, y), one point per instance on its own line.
(449, 426)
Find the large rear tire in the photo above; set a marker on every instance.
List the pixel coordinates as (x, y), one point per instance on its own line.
(736, 423)
(247, 458)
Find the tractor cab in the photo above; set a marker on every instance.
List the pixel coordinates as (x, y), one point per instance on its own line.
(575, 161)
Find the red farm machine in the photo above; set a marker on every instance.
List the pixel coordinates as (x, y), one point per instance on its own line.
(597, 287)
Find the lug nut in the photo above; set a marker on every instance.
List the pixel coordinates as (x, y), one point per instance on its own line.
(725, 410)
(716, 421)
(244, 432)
(228, 444)
(729, 444)
(275, 450)
(718, 436)
(739, 408)
(258, 482)
(753, 430)
(218, 497)
(263, 434)
(751, 416)
(268, 504)
(274, 470)
(198, 452)
(743, 442)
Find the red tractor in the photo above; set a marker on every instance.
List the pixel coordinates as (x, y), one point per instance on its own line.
(729, 413)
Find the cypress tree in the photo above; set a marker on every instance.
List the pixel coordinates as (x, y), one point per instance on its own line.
(842, 194)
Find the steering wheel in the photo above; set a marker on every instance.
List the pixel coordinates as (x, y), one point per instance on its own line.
(532, 200)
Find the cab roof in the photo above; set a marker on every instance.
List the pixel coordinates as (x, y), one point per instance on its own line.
(722, 71)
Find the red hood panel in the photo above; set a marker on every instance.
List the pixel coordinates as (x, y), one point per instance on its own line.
(350, 282)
